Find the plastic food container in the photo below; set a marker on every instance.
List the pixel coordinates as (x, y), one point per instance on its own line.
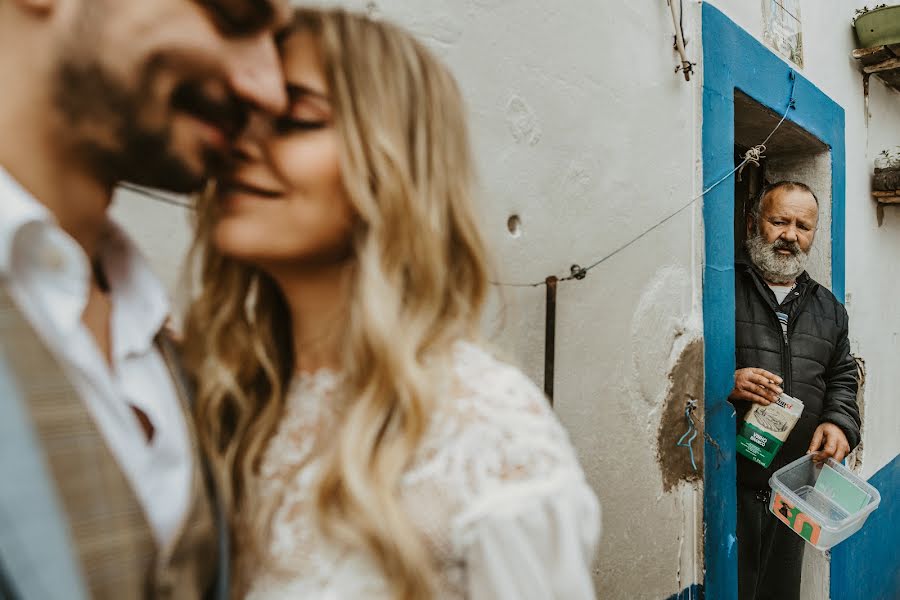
(822, 503)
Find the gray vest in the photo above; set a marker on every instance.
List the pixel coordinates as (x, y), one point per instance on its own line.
(70, 523)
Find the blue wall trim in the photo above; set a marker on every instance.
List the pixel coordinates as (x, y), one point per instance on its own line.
(695, 592)
(867, 565)
(732, 58)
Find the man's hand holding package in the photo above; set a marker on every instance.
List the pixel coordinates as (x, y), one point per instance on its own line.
(756, 385)
(829, 441)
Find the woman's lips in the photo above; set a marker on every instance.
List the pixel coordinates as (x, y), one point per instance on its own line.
(242, 187)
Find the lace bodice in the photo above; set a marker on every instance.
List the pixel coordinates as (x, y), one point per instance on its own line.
(493, 451)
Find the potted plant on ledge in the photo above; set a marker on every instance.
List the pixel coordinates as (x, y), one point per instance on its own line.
(886, 182)
(879, 26)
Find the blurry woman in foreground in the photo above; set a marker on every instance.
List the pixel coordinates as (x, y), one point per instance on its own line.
(369, 445)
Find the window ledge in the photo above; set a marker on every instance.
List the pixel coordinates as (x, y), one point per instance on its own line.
(883, 61)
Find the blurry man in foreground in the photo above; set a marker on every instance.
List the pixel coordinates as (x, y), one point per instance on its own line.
(103, 492)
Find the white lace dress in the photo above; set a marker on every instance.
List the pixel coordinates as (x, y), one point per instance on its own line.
(496, 491)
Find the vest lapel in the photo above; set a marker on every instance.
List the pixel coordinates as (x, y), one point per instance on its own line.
(109, 531)
(35, 545)
(221, 590)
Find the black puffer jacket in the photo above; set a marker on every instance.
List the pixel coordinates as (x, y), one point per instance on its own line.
(814, 360)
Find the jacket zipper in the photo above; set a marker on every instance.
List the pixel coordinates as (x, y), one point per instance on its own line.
(787, 384)
(786, 344)
(786, 361)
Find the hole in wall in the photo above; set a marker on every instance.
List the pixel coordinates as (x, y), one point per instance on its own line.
(514, 225)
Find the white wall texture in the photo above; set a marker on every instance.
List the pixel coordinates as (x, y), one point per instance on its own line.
(582, 128)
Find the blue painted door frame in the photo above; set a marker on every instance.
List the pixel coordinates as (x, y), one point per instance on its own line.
(733, 59)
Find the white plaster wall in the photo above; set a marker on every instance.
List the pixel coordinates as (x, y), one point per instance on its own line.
(162, 231)
(874, 285)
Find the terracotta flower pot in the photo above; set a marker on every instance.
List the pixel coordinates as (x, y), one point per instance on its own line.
(878, 27)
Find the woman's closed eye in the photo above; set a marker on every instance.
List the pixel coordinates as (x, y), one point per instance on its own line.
(285, 125)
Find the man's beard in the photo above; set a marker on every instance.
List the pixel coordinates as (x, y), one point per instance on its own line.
(110, 134)
(777, 268)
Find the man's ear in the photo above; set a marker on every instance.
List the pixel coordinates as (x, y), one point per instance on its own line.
(749, 226)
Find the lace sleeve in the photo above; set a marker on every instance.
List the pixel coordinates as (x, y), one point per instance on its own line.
(528, 523)
(496, 439)
(537, 545)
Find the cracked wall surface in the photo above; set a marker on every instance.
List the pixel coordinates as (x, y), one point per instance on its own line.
(685, 390)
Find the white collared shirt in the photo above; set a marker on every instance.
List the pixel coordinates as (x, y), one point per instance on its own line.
(48, 277)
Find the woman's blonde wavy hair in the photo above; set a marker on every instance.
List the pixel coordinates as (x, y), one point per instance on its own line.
(419, 282)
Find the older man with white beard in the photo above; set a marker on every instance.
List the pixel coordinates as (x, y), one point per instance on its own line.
(791, 336)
